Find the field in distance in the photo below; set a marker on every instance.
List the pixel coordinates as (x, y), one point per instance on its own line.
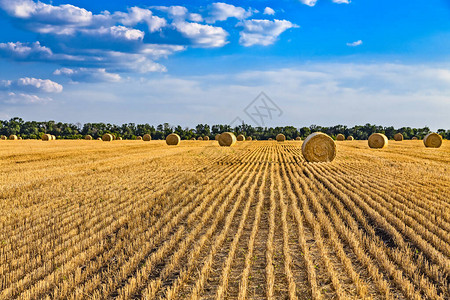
(134, 219)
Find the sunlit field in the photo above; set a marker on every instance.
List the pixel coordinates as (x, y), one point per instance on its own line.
(133, 219)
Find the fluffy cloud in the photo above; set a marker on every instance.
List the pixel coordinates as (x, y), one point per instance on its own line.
(25, 51)
(41, 12)
(204, 36)
(27, 90)
(309, 2)
(262, 32)
(23, 98)
(342, 1)
(269, 11)
(88, 75)
(355, 44)
(138, 15)
(115, 33)
(221, 11)
(28, 84)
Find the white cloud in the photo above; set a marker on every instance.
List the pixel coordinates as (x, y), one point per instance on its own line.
(141, 61)
(25, 50)
(220, 11)
(31, 85)
(204, 36)
(355, 44)
(309, 2)
(68, 19)
(262, 32)
(342, 1)
(195, 17)
(173, 11)
(137, 15)
(41, 12)
(115, 33)
(269, 11)
(23, 98)
(88, 75)
(45, 85)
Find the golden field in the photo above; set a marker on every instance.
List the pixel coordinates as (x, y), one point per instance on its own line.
(134, 219)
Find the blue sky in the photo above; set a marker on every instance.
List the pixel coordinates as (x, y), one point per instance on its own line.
(322, 62)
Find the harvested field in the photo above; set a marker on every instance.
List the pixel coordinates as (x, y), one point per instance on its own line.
(131, 220)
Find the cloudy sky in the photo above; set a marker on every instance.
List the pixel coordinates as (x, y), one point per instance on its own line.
(322, 62)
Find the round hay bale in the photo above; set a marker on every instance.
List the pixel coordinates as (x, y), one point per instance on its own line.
(377, 141)
(99, 139)
(147, 137)
(217, 137)
(350, 138)
(47, 137)
(88, 137)
(249, 138)
(200, 138)
(119, 138)
(432, 140)
(280, 137)
(270, 139)
(206, 138)
(20, 138)
(414, 138)
(13, 137)
(173, 139)
(319, 147)
(139, 138)
(54, 137)
(227, 139)
(107, 137)
(340, 137)
(240, 138)
(298, 138)
(193, 139)
(3, 137)
(398, 137)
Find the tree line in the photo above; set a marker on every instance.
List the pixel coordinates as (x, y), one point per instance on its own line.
(35, 130)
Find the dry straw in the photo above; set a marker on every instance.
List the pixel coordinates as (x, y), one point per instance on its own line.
(319, 147)
(377, 140)
(173, 139)
(147, 137)
(432, 140)
(398, 137)
(249, 138)
(227, 139)
(206, 138)
(217, 137)
(298, 138)
(13, 137)
(88, 137)
(280, 137)
(107, 137)
(241, 138)
(46, 137)
(350, 138)
(340, 137)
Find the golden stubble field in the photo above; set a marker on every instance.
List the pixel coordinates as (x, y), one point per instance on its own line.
(133, 219)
